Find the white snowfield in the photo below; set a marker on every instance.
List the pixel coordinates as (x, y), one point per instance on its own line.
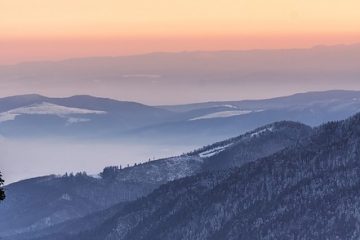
(256, 134)
(46, 108)
(227, 106)
(224, 114)
(214, 151)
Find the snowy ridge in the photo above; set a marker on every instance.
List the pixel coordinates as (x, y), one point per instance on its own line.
(46, 108)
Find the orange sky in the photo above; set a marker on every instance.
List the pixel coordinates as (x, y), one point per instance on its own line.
(55, 29)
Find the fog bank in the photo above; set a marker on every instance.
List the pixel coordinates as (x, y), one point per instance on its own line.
(21, 159)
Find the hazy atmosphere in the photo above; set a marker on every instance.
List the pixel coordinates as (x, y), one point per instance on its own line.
(150, 53)
(188, 77)
(310, 47)
(179, 120)
(61, 156)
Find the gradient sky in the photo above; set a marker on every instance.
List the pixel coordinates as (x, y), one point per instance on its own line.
(55, 29)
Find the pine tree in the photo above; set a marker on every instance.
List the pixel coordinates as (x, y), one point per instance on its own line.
(2, 193)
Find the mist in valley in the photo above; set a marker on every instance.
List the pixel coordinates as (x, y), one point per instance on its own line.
(27, 158)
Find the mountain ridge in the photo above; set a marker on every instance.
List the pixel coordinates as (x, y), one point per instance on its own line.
(188, 52)
(334, 67)
(306, 191)
(119, 185)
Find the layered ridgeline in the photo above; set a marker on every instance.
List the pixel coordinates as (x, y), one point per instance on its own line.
(40, 203)
(310, 190)
(77, 116)
(201, 74)
(87, 117)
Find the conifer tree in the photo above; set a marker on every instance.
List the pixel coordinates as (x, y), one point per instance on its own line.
(2, 193)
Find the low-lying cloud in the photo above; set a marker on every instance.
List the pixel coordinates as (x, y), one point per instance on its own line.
(21, 159)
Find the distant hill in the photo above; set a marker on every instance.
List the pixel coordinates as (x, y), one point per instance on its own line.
(214, 120)
(87, 117)
(77, 116)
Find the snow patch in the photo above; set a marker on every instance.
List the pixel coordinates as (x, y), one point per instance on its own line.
(45, 108)
(6, 116)
(96, 176)
(227, 106)
(255, 134)
(224, 114)
(214, 151)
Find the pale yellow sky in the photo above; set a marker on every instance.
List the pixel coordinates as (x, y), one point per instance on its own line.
(26, 24)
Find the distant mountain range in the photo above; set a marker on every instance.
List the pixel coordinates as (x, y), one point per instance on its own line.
(200, 75)
(281, 181)
(29, 116)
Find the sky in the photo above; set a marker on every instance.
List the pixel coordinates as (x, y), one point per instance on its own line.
(57, 29)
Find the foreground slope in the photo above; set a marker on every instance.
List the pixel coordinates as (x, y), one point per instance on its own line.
(39, 203)
(308, 191)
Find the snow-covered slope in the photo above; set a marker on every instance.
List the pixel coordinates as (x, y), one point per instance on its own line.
(254, 144)
(36, 115)
(213, 151)
(46, 108)
(223, 114)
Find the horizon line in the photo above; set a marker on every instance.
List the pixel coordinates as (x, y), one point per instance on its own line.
(181, 104)
(178, 52)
